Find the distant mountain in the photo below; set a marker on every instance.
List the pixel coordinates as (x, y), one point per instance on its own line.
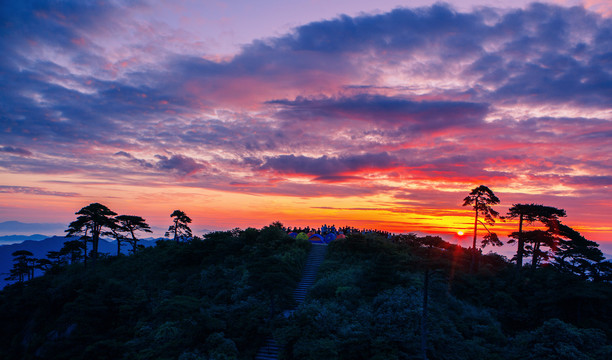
(40, 248)
(13, 239)
(606, 249)
(10, 228)
(21, 228)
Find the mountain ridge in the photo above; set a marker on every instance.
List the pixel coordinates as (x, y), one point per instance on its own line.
(40, 248)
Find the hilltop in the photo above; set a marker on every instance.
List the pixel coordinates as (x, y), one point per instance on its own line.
(220, 297)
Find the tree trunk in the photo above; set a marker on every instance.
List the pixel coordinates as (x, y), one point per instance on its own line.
(521, 244)
(536, 254)
(472, 263)
(95, 238)
(84, 238)
(133, 241)
(176, 230)
(475, 230)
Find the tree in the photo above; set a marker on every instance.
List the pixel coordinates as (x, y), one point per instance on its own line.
(80, 227)
(43, 264)
(481, 198)
(56, 258)
(23, 266)
(74, 249)
(93, 217)
(179, 228)
(491, 238)
(602, 271)
(530, 213)
(576, 254)
(115, 231)
(535, 241)
(557, 340)
(133, 223)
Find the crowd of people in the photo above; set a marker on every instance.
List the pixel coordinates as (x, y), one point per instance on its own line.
(325, 230)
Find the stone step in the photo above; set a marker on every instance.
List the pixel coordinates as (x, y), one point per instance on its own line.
(270, 349)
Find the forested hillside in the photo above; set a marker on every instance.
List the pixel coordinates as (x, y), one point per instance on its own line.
(209, 298)
(369, 304)
(376, 297)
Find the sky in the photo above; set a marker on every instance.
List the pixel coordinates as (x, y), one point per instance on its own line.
(370, 114)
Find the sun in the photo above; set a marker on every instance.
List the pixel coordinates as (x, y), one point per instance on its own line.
(460, 233)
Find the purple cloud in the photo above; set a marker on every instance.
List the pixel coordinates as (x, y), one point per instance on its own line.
(325, 166)
(179, 163)
(361, 105)
(34, 191)
(15, 151)
(383, 110)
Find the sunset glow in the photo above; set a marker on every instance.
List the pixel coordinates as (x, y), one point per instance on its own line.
(381, 118)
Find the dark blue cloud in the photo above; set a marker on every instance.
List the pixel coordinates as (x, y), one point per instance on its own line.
(594, 181)
(378, 109)
(337, 178)
(55, 23)
(398, 30)
(15, 151)
(543, 55)
(179, 163)
(73, 102)
(327, 167)
(549, 54)
(529, 65)
(327, 47)
(132, 159)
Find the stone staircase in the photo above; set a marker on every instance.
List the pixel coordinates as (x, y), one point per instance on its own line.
(309, 274)
(270, 349)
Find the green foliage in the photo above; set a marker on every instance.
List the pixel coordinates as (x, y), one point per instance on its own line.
(481, 198)
(367, 304)
(558, 340)
(91, 220)
(221, 348)
(206, 299)
(130, 224)
(179, 229)
(530, 213)
(220, 297)
(23, 266)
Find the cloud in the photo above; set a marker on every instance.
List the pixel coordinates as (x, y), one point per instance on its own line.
(405, 101)
(473, 61)
(401, 29)
(325, 167)
(179, 163)
(143, 164)
(384, 110)
(311, 189)
(34, 191)
(15, 151)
